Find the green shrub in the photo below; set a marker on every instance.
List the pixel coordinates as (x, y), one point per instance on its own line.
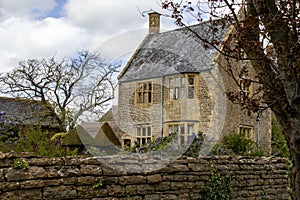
(217, 187)
(236, 144)
(279, 145)
(39, 142)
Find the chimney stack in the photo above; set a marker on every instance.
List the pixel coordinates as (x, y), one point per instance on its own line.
(154, 22)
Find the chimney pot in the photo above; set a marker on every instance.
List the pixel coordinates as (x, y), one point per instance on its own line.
(154, 22)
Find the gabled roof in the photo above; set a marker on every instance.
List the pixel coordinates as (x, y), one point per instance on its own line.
(26, 112)
(94, 133)
(172, 52)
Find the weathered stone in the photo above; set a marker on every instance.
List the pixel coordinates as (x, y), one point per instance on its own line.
(115, 190)
(76, 180)
(168, 197)
(72, 160)
(133, 169)
(130, 190)
(180, 177)
(52, 182)
(162, 186)
(176, 167)
(55, 161)
(34, 194)
(152, 197)
(1, 175)
(32, 172)
(144, 189)
(39, 161)
(60, 192)
(154, 178)
(168, 177)
(32, 184)
(111, 172)
(2, 155)
(69, 181)
(86, 180)
(8, 186)
(197, 167)
(107, 180)
(91, 170)
(62, 171)
(130, 180)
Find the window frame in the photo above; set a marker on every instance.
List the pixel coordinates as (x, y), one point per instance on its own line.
(245, 90)
(142, 135)
(144, 92)
(246, 131)
(179, 87)
(182, 131)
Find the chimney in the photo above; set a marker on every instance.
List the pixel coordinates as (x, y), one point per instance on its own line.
(154, 22)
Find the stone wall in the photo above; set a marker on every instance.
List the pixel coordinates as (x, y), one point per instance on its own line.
(77, 178)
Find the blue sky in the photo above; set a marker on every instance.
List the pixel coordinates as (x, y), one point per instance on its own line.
(58, 10)
(43, 28)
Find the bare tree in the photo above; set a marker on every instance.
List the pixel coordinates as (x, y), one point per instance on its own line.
(266, 33)
(67, 88)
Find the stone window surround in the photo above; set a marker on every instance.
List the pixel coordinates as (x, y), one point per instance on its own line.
(245, 89)
(179, 86)
(246, 131)
(144, 92)
(143, 134)
(185, 129)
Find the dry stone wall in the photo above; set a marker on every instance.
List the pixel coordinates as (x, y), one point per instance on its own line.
(89, 178)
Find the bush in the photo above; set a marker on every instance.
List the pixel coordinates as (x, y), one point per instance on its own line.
(39, 142)
(279, 145)
(236, 144)
(8, 132)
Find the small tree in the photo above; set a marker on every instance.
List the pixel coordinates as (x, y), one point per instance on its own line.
(67, 88)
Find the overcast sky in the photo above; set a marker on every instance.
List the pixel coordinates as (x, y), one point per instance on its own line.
(43, 28)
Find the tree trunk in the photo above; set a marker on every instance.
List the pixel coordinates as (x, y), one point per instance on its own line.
(295, 175)
(293, 139)
(290, 124)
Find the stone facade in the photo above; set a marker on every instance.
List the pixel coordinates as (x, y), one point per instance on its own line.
(88, 178)
(177, 55)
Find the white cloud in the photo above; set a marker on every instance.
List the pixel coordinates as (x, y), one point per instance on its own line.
(25, 8)
(22, 39)
(26, 31)
(108, 15)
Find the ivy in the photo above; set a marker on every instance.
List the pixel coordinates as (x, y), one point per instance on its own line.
(217, 187)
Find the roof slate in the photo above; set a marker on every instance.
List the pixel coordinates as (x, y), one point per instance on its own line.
(27, 112)
(172, 52)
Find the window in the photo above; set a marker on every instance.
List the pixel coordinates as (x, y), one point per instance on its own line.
(245, 86)
(144, 92)
(191, 87)
(177, 88)
(191, 133)
(143, 134)
(179, 130)
(246, 132)
(179, 85)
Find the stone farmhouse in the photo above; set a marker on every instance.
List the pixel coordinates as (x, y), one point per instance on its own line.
(172, 84)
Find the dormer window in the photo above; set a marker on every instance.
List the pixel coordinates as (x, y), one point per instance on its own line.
(143, 92)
